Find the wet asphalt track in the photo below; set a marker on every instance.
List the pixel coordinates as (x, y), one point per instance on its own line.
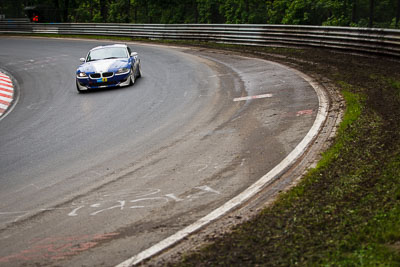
(96, 178)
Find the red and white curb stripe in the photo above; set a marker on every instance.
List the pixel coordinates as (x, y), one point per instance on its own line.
(6, 93)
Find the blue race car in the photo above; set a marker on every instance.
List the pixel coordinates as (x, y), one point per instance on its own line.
(108, 66)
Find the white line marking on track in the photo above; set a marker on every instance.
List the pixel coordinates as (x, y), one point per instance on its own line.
(73, 212)
(177, 199)
(252, 97)
(208, 189)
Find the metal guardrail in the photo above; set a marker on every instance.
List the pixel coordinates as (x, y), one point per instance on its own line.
(366, 40)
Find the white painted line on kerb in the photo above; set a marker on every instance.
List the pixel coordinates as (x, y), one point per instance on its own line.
(5, 87)
(7, 99)
(251, 97)
(253, 189)
(5, 82)
(6, 94)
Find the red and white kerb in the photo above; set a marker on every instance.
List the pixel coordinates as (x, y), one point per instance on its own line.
(6, 93)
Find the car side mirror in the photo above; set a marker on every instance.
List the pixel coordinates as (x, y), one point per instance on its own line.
(82, 59)
(134, 54)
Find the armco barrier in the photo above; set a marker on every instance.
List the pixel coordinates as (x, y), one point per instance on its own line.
(366, 40)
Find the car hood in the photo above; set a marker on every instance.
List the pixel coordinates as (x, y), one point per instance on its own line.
(104, 65)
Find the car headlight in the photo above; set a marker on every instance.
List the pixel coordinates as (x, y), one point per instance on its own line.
(123, 71)
(82, 75)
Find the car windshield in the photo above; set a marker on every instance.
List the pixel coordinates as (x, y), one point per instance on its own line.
(106, 53)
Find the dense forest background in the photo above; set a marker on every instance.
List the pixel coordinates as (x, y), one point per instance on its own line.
(361, 13)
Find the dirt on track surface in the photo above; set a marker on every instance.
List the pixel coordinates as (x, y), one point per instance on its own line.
(345, 211)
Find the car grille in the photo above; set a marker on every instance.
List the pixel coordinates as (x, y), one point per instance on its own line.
(101, 75)
(108, 74)
(95, 75)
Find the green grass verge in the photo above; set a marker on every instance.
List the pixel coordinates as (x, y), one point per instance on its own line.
(352, 113)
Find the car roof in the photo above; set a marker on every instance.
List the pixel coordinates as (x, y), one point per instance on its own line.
(113, 45)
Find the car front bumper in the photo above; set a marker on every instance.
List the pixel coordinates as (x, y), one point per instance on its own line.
(115, 81)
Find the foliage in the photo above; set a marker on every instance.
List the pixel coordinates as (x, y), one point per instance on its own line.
(385, 13)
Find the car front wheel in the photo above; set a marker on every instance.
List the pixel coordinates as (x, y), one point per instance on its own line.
(77, 88)
(139, 72)
(132, 77)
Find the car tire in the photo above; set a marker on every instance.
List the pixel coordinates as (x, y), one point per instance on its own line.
(79, 90)
(139, 72)
(132, 77)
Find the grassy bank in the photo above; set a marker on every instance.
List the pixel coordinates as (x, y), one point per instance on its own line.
(345, 212)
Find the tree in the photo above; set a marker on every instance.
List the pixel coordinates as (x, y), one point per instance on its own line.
(398, 13)
(104, 10)
(362, 13)
(209, 11)
(65, 11)
(354, 12)
(371, 13)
